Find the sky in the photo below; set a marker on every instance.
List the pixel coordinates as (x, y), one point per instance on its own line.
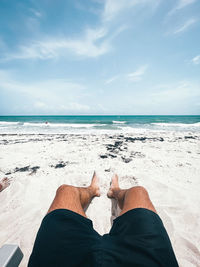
(100, 57)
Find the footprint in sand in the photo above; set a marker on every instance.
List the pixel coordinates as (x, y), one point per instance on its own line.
(167, 219)
(190, 252)
(191, 247)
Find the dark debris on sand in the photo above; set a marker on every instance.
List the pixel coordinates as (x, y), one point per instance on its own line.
(60, 164)
(103, 156)
(8, 173)
(191, 137)
(135, 154)
(112, 155)
(126, 160)
(23, 169)
(143, 139)
(120, 146)
(32, 170)
(108, 155)
(116, 147)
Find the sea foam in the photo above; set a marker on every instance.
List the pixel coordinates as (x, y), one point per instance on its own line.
(119, 122)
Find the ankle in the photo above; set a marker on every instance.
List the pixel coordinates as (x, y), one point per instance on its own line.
(92, 191)
(116, 192)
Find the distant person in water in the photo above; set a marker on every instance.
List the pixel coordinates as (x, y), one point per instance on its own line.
(5, 182)
(66, 236)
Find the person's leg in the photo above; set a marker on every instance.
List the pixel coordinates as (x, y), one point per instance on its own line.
(132, 198)
(138, 232)
(75, 198)
(5, 182)
(66, 236)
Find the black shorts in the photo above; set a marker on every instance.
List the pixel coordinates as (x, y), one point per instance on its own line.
(137, 238)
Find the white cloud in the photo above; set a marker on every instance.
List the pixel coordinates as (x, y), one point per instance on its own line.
(185, 26)
(133, 76)
(112, 79)
(54, 95)
(113, 7)
(196, 60)
(181, 97)
(181, 4)
(92, 44)
(137, 75)
(42, 89)
(184, 3)
(36, 13)
(180, 90)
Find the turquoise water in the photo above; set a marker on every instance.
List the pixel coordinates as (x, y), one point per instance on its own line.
(71, 124)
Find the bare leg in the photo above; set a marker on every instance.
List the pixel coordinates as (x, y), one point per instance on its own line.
(5, 182)
(132, 198)
(75, 198)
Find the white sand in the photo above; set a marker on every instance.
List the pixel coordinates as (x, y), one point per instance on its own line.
(169, 170)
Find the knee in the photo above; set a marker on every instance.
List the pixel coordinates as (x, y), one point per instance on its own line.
(139, 190)
(64, 188)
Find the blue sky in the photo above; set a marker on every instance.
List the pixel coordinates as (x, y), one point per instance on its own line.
(72, 57)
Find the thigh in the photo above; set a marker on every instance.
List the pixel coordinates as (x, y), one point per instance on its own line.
(65, 238)
(138, 238)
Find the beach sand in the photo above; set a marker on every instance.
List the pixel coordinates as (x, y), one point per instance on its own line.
(166, 163)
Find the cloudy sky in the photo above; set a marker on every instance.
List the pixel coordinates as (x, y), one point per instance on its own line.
(99, 57)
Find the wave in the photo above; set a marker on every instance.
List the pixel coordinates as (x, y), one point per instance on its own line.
(60, 126)
(9, 123)
(70, 125)
(118, 121)
(50, 125)
(183, 125)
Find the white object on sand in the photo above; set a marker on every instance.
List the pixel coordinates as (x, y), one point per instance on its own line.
(10, 256)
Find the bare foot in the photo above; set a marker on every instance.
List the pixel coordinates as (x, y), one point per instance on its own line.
(114, 187)
(94, 186)
(4, 183)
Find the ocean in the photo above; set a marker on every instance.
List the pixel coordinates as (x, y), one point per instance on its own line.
(96, 124)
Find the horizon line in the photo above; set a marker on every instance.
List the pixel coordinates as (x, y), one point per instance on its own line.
(101, 115)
